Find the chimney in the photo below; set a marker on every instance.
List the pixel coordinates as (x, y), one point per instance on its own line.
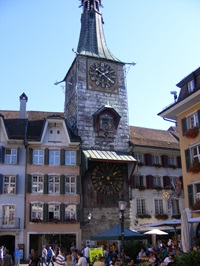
(22, 111)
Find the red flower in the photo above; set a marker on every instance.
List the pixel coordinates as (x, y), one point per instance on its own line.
(192, 133)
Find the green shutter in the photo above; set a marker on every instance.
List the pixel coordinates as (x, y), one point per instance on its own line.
(184, 125)
(30, 155)
(46, 156)
(2, 154)
(1, 183)
(198, 113)
(16, 184)
(45, 212)
(62, 157)
(62, 184)
(30, 211)
(62, 212)
(46, 184)
(78, 184)
(78, 157)
(78, 213)
(190, 196)
(18, 149)
(28, 183)
(187, 159)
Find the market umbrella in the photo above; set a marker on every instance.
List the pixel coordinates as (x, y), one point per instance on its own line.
(155, 232)
(115, 234)
(172, 223)
(185, 236)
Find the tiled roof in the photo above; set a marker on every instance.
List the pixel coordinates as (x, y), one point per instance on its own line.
(141, 136)
(16, 128)
(31, 115)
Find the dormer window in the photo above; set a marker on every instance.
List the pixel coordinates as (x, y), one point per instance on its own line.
(191, 86)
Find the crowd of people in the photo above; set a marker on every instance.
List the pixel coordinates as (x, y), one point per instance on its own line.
(6, 259)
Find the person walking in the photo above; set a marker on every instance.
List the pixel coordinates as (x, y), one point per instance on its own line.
(34, 259)
(50, 256)
(44, 255)
(1, 255)
(7, 260)
(17, 256)
(82, 261)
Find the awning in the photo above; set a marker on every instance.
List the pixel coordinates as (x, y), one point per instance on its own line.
(110, 156)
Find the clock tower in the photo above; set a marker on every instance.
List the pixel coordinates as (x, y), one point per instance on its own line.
(96, 108)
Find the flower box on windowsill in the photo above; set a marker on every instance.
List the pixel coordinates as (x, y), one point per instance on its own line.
(36, 220)
(143, 216)
(196, 206)
(192, 133)
(195, 167)
(176, 216)
(141, 187)
(157, 165)
(161, 216)
(158, 188)
(70, 220)
(55, 221)
(172, 166)
(140, 164)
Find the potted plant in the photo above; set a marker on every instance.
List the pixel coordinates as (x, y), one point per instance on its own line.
(192, 132)
(195, 167)
(161, 216)
(141, 187)
(196, 205)
(143, 216)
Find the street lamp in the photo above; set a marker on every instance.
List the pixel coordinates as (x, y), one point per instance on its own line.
(122, 207)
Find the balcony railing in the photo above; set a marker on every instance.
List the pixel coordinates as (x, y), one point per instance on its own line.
(8, 223)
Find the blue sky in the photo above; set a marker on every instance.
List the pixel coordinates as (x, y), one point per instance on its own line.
(37, 37)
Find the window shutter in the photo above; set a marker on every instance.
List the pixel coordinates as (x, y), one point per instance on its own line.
(78, 157)
(78, 184)
(164, 160)
(178, 160)
(2, 154)
(166, 181)
(62, 184)
(132, 181)
(198, 114)
(78, 213)
(28, 183)
(187, 159)
(30, 155)
(62, 212)
(18, 155)
(190, 196)
(30, 212)
(45, 212)
(1, 184)
(149, 181)
(46, 184)
(181, 179)
(184, 125)
(148, 159)
(46, 156)
(62, 157)
(16, 185)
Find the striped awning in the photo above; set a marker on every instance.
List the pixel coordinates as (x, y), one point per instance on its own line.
(110, 156)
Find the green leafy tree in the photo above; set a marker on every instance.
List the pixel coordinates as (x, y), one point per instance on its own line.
(190, 258)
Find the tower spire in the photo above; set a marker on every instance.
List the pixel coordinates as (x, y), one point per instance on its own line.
(92, 40)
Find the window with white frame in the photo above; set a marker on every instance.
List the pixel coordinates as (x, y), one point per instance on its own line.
(37, 184)
(70, 157)
(190, 86)
(139, 181)
(70, 184)
(155, 159)
(141, 206)
(192, 120)
(196, 153)
(138, 157)
(54, 157)
(10, 156)
(9, 184)
(36, 212)
(158, 206)
(54, 184)
(157, 181)
(171, 160)
(197, 190)
(54, 212)
(70, 212)
(38, 156)
(175, 206)
(8, 213)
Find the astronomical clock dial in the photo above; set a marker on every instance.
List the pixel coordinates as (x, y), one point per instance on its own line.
(166, 195)
(102, 76)
(107, 178)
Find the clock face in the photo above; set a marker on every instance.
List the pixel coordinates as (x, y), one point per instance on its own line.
(102, 75)
(107, 178)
